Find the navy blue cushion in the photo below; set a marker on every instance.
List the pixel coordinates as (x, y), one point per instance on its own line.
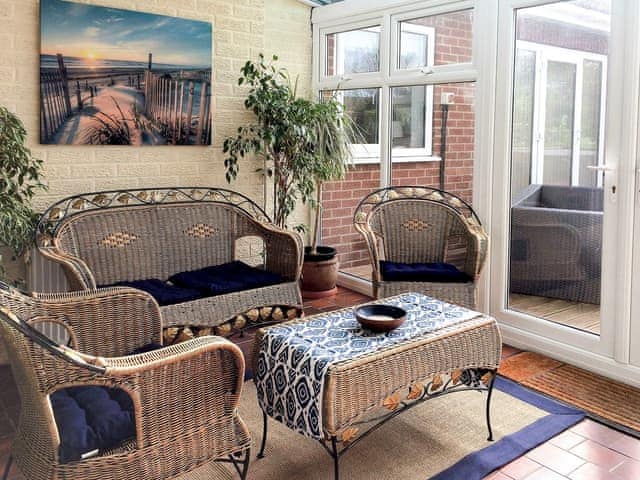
(422, 272)
(226, 278)
(164, 293)
(91, 418)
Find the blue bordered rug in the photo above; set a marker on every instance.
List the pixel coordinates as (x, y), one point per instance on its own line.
(479, 464)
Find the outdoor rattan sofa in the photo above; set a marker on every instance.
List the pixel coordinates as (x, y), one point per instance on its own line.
(424, 240)
(181, 399)
(556, 242)
(128, 237)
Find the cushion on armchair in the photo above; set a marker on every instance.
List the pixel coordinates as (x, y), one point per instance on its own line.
(422, 272)
(91, 418)
(226, 278)
(164, 293)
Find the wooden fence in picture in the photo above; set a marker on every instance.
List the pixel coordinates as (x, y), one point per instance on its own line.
(181, 109)
(55, 104)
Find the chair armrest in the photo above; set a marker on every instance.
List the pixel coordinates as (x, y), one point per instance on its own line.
(77, 272)
(478, 247)
(184, 387)
(371, 241)
(284, 251)
(109, 322)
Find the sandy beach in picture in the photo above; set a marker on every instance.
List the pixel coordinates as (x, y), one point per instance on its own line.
(118, 77)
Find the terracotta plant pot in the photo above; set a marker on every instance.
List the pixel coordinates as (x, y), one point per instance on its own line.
(319, 273)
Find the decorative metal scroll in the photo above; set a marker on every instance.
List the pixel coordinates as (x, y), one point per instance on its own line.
(379, 197)
(57, 214)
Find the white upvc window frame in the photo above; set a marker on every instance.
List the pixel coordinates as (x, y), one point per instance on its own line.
(389, 19)
(544, 54)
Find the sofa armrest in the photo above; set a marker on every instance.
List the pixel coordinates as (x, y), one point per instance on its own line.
(284, 251)
(109, 322)
(184, 387)
(76, 270)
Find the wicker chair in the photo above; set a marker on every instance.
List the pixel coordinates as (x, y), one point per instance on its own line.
(422, 225)
(184, 396)
(103, 238)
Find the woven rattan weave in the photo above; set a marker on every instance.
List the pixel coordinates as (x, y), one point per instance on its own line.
(422, 225)
(103, 238)
(185, 396)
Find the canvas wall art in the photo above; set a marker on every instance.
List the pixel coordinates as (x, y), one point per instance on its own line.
(119, 77)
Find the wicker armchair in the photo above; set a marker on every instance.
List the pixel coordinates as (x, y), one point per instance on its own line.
(184, 396)
(422, 225)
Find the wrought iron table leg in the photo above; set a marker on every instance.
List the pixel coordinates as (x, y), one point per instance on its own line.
(245, 464)
(7, 467)
(336, 458)
(264, 435)
(488, 413)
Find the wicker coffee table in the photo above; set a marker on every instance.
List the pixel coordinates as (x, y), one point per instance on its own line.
(332, 381)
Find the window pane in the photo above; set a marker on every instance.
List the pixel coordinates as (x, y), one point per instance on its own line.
(409, 113)
(436, 40)
(558, 128)
(355, 51)
(451, 132)
(363, 106)
(590, 122)
(523, 98)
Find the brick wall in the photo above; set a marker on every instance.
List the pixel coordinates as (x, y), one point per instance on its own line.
(242, 29)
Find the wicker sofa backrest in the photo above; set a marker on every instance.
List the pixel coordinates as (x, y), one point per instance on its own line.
(419, 230)
(154, 241)
(143, 234)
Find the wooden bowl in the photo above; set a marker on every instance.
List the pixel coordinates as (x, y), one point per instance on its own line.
(380, 317)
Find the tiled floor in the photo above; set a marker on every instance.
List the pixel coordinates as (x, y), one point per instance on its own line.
(587, 451)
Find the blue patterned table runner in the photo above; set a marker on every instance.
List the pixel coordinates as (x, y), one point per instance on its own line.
(295, 358)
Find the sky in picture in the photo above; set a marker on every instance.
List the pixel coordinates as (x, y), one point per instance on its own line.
(92, 32)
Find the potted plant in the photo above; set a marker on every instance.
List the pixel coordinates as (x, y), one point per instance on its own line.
(19, 181)
(333, 134)
(302, 144)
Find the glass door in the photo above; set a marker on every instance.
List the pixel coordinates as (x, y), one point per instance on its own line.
(559, 149)
(556, 212)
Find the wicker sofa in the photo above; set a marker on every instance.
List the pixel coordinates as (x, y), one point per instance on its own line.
(556, 238)
(121, 238)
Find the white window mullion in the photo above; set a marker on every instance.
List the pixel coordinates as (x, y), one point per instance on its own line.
(385, 104)
(539, 114)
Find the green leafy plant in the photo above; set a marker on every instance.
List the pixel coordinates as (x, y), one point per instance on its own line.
(302, 143)
(20, 180)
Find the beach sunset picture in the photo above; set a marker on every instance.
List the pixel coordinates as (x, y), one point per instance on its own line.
(119, 77)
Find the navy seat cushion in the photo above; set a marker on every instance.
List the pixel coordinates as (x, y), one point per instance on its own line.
(422, 272)
(91, 418)
(226, 278)
(164, 293)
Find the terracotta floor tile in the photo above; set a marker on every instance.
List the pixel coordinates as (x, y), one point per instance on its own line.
(628, 470)
(597, 432)
(567, 440)
(589, 471)
(520, 468)
(525, 365)
(509, 351)
(545, 474)
(497, 476)
(627, 445)
(598, 454)
(555, 458)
